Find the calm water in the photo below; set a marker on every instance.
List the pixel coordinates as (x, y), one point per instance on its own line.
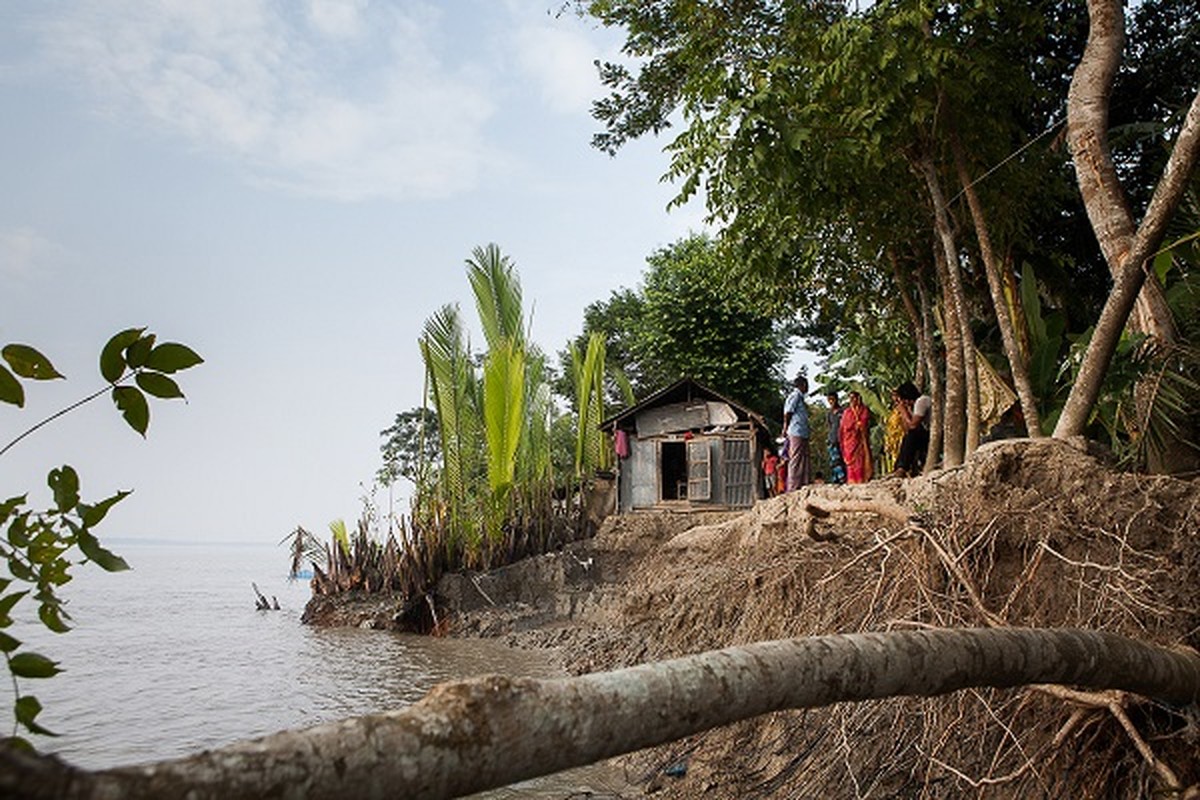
(172, 657)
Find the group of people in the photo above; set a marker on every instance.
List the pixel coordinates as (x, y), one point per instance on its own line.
(848, 438)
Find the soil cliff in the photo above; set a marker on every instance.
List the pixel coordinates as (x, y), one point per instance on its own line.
(1027, 533)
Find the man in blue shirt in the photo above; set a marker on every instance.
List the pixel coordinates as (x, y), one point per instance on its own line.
(795, 424)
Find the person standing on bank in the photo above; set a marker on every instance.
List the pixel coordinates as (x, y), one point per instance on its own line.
(914, 411)
(855, 436)
(837, 466)
(795, 424)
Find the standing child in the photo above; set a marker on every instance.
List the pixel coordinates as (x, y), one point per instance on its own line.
(781, 468)
(770, 470)
(837, 466)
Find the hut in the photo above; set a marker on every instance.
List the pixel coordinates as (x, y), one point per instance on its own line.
(687, 448)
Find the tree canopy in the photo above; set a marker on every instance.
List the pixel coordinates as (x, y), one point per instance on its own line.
(905, 161)
(688, 318)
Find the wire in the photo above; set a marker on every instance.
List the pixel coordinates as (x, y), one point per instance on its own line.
(1009, 158)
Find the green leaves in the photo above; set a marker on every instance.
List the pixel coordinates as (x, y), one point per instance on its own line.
(133, 406)
(27, 708)
(64, 482)
(106, 560)
(135, 351)
(93, 515)
(27, 363)
(171, 357)
(32, 665)
(53, 617)
(11, 391)
(38, 546)
(587, 372)
(112, 360)
(152, 383)
(503, 409)
(6, 605)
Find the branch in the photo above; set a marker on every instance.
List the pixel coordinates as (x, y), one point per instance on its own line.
(58, 414)
(492, 731)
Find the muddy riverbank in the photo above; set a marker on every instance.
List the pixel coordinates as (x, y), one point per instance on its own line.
(1027, 533)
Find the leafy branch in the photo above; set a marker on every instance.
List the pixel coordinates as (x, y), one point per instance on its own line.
(38, 545)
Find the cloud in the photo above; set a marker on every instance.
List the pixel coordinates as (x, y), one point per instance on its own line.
(337, 18)
(339, 99)
(557, 52)
(560, 59)
(24, 253)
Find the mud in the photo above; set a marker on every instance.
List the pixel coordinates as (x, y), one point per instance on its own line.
(1035, 533)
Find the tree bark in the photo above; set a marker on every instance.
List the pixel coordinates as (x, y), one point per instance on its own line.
(958, 298)
(920, 331)
(1087, 136)
(492, 731)
(1018, 364)
(954, 409)
(935, 388)
(1087, 114)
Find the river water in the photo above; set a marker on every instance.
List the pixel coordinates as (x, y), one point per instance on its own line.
(172, 657)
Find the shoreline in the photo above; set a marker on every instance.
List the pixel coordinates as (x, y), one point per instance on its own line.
(1028, 528)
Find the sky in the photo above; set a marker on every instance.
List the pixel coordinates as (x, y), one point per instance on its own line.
(291, 189)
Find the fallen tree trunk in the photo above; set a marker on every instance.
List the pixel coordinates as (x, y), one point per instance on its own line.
(472, 735)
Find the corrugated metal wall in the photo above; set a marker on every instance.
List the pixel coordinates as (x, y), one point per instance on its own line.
(740, 473)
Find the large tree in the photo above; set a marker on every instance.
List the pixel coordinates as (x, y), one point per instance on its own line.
(410, 446)
(1128, 246)
(690, 319)
(824, 137)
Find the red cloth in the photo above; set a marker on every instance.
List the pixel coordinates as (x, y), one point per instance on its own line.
(856, 448)
(621, 444)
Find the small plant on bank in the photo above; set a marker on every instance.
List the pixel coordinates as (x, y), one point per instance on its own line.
(479, 455)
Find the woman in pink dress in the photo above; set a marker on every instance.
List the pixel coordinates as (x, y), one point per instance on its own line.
(854, 435)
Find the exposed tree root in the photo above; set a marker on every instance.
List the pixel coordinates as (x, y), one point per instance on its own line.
(1026, 533)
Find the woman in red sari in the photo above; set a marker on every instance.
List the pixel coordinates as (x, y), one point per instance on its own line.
(854, 435)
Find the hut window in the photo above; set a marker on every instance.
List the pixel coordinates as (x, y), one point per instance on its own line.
(699, 470)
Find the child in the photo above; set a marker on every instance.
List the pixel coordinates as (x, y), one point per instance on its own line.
(781, 468)
(770, 468)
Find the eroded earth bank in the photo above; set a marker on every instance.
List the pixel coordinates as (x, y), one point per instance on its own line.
(1028, 533)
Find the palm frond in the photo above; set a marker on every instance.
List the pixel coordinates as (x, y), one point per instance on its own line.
(497, 295)
(504, 410)
(452, 388)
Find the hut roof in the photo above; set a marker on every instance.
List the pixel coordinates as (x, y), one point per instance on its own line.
(682, 391)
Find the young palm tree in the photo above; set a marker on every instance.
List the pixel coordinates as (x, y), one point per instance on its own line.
(591, 448)
(452, 388)
(497, 296)
(503, 417)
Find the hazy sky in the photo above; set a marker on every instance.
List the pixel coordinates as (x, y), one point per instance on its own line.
(291, 189)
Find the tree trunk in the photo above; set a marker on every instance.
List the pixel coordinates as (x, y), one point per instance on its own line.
(958, 298)
(1087, 115)
(1016, 307)
(954, 409)
(1087, 136)
(991, 267)
(920, 331)
(492, 731)
(935, 387)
